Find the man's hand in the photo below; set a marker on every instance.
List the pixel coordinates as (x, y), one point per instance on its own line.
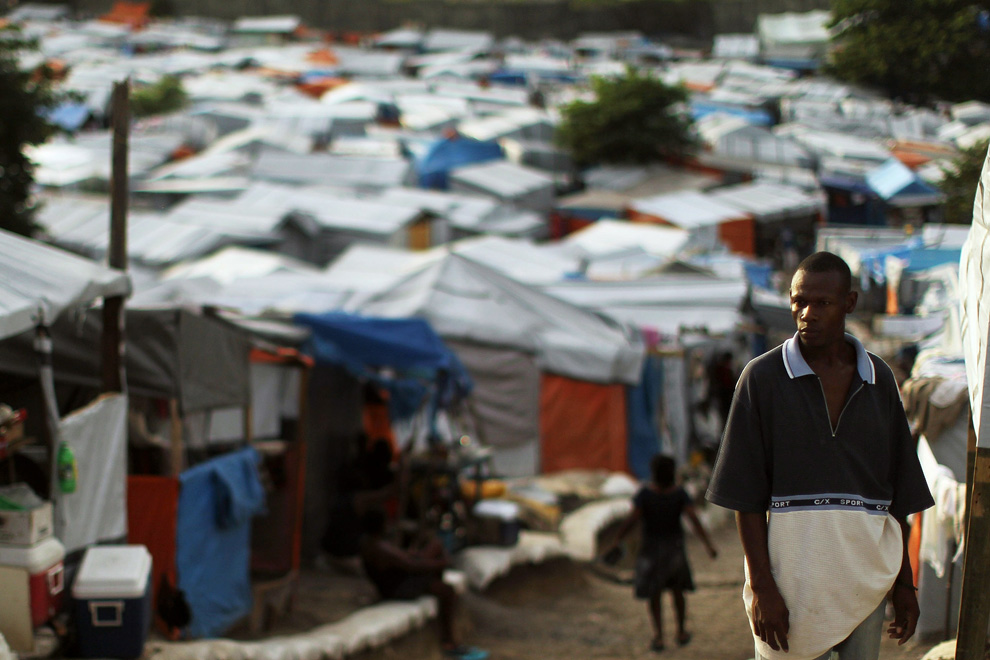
(906, 611)
(770, 618)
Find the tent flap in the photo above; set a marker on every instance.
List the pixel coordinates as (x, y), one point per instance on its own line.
(582, 425)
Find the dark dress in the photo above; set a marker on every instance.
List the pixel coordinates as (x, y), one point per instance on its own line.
(662, 562)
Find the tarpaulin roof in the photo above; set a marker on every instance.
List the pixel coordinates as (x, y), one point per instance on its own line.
(39, 282)
(404, 343)
(463, 299)
(170, 353)
(448, 153)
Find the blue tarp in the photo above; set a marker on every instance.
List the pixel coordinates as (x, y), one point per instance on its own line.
(755, 117)
(409, 346)
(925, 258)
(217, 500)
(68, 116)
(449, 153)
(641, 413)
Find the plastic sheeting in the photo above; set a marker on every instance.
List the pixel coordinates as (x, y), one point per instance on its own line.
(641, 412)
(505, 405)
(40, 282)
(170, 353)
(218, 498)
(582, 425)
(152, 514)
(97, 510)
(975, 319)
(468, 301)
(449, 153)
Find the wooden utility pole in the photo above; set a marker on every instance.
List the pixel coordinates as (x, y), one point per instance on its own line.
(974, 607)
(113, 307)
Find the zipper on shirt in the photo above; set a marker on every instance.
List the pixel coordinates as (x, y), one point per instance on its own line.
(844, 406)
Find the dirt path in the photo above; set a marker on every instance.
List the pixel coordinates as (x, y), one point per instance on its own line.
(564, 611)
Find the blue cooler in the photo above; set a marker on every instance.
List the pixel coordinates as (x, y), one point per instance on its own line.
(112, 594)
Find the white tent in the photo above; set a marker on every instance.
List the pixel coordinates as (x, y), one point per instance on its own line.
(40, 282)
(463, 299)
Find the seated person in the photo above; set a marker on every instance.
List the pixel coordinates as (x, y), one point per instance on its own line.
(400, 574)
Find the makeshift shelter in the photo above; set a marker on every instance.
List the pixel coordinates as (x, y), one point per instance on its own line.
(446, 154)
(348, 351)
(890, 194)
(710, 221)
(512, 338)
(525, 187)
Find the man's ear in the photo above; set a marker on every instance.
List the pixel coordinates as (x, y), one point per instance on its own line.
(851, 298)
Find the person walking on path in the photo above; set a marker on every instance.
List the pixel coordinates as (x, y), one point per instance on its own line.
(662, 563)
(818, 462)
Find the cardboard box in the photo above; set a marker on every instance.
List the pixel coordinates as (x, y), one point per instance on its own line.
(26, 527)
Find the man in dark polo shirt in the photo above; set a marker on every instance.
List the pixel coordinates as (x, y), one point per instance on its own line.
(818, 462)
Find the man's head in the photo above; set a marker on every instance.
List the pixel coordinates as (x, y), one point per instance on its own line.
(821, 297)
(663, 469)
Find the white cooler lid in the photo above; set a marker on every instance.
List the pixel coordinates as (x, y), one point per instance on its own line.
(34, 558)
(113, 571)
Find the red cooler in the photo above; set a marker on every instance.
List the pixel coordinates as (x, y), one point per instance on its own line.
(32, 585)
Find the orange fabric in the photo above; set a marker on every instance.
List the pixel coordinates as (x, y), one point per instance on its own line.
(582, 425)
(152, 515)
(914, 545)
(280, 355)
(739, 236)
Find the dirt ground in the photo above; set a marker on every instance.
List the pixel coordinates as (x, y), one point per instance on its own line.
(566, 610)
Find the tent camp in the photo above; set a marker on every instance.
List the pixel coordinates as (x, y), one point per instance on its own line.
(549, 378)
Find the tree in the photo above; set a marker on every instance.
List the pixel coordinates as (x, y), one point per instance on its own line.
(24, 98)
(634, 118)
(959, 183)
(166, 95)
(913, 50)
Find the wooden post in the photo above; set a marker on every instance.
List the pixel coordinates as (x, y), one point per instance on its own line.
(113, 307)
(974, 607)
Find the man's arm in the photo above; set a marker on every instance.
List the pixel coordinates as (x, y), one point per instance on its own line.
(904, 595)
(770, 614)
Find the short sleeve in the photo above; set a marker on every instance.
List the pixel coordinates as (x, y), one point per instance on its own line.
(741, 479)
(911, 493)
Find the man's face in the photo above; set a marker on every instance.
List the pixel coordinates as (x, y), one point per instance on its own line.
(819, 304)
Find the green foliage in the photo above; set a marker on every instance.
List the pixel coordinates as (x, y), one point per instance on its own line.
(167, 95)
(24, 97)
(914, 50)
(962, 176)
(634, 118)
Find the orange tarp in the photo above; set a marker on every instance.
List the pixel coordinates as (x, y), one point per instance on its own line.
(152, 515)
(739, 236)
(582, 425)
(322, 56)
(134, 14)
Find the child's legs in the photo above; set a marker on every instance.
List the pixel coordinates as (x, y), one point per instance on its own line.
(656, 615)
(680, 607)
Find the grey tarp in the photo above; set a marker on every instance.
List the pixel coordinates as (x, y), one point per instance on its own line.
(170, 353)
(504, 404)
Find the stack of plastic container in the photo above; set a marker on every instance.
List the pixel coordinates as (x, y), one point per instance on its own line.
(31, 566)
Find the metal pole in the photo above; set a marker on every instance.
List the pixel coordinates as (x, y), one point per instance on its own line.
(113, 307)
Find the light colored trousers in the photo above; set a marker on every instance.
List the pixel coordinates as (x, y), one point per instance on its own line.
(862, 644)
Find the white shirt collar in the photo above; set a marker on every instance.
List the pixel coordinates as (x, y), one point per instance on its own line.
(797, 366)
